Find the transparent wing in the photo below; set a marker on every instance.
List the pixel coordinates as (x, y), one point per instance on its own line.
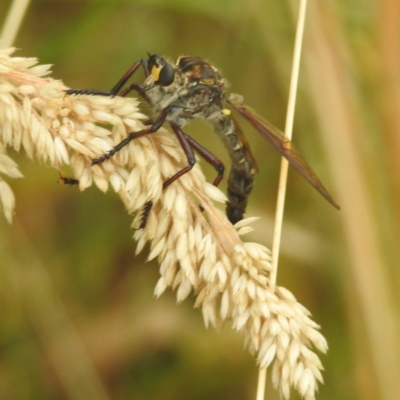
(245, 144)
(281, 143)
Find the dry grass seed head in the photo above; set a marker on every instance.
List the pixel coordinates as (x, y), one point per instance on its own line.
(199, 252)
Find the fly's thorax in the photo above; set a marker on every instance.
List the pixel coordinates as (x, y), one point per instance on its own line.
(183, 110)
(199, 70)
(186, 103)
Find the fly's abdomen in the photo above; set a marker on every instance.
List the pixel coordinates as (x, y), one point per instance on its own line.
(240, 184)
(243, 169)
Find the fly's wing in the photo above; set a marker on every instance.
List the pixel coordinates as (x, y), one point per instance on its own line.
(281, 143)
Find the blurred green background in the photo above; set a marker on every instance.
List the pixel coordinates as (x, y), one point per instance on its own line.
(78, 319)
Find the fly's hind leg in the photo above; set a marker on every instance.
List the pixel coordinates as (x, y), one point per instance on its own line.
(209, 157)
(187, 148)
(188, 145)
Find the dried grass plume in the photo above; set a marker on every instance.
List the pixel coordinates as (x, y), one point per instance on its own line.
(198, 251)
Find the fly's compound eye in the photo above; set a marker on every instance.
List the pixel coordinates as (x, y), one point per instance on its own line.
(167, 75)
(162, 72)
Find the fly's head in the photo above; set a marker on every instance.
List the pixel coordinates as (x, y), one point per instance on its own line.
(189, 71)
(161, 72)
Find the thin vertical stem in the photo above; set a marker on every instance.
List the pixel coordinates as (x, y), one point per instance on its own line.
(13, 22)
(288, 132)
(284, 169)
(262, 377)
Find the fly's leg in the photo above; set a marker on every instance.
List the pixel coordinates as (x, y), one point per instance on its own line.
(188, 145)
(209, 157)
(65, 180)
(241, 176)
(140, 89)
(155, 125)
(133, 135)
(145, 214)
(116, 89)
(187, 148)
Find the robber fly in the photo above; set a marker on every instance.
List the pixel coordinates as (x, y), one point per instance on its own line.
(192, 88)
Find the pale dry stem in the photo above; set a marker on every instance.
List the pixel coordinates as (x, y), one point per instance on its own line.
(198, 251)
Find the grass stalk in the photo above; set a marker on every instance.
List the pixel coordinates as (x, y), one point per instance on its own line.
(284, 169)
(13, 22)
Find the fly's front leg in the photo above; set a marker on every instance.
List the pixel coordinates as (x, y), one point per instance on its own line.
(116, 89)
(140, 89)
(158, 122)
